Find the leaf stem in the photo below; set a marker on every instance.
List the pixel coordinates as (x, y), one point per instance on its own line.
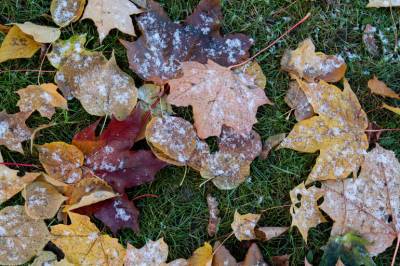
(382, 130)
(276, 207)
(273, 43)
(19, 164)
(396, 250)
(145, 196)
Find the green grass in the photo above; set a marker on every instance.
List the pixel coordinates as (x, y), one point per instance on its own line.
(180, 214)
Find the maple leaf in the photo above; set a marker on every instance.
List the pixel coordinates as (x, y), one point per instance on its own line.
(11, 183)
(156, 56)
(174, 140)
(305, 63)
(61, 161)
(21, 236)
(17, 44)
(83, 244)
(218, 97)
(41, 34)
(43, 98)
(369, 204)
(64, 12)
(111, 15)
(383, 3)
(338, 131)
(305, 212)
(380, 88)
(13, 130)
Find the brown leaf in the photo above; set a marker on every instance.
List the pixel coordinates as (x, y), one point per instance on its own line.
(380, 88)
(267, 233)
(21, 236)
(297, 100)
(43, 98)
(222, 256)
(111, 15)
(213, 220)
(156, 56)
(280, 260)
(254, 257)
(218, 97)
(64, 12)
(370, 41)
(243, 225)
(305, 63)
(13, 130)
(271, 143)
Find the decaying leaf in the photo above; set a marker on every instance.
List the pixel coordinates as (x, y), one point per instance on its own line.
(297, 100)
(111, 15)
(62, 161)
(338, 131)
(202, 256)
(42, 200)
(64, 12)
(156, 56)
(13, 130)
(148, 94)
(63, 49)
(370, 41)
(213, 220)
(380, 88)
(17, 44)
(218, 97)
(41, 34)
(393, 109)
(383, 3)
(305, 63)
(243, 225)
(21, 237)
(173, 140)
(43, 98)
(368, 205)
(83, 244)
(11, 183)
(153, 253)
(304, 209)
(271, 143)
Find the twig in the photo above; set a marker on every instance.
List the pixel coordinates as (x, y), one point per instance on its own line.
(272, 43)
(382, 130)
(276, 207)
(145, 196)
(19, 164)
(396, 250)
(184, 176)
(27, 70)
(41, 64)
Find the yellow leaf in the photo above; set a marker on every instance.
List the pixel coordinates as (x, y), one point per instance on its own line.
(243, 225)
(83, 244)
(338, 131)
(21, 236)
(17, 44)
(42, 34)
(64, 12)
(202, 256)
(380, 88)
(61, 161)
(43, 98)
(395, 110)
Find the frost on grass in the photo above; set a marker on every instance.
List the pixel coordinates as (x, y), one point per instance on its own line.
(156, 56)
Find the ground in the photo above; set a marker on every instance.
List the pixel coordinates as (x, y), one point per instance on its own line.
(180, 213)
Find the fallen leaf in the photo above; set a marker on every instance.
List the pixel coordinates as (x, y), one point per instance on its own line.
(218, 97)
(202, 256)
(280, 260)
(44, 258)
(213, 220)
(243, 225)
(271, 143)
(370, 41)
(148, 94)
(346, 250)
(157, 55)
(254, 257)
(111, 15)
(21, 236)
(17, 44)
(43, 98)
(153, 253)
(41, 34)
(61, 161)
(383, 3)
(380, 88)
(395, 110)
(267, 233)
(63, 49)
(11, 183)
(305, 63)
(373, 133)
(338, 131)
(222, 256)
(64, 12)
(367, 205)
(13, 130)
(83, 244)
(297, 100)
(304, 209)
(42, 200)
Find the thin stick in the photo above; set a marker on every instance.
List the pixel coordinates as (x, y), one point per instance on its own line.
(19, 164)
(396, 250)
(273, 43)
(104, 124)
(276, 207)
(145, 196)
(41, 64)
(382, 130)
(184, 176)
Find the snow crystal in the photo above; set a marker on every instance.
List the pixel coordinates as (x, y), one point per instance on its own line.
(4, 127)
(121, 214)
(93, 236)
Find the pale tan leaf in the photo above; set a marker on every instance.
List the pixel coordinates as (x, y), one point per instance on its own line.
(153, 253)
(243, 225)
(380, 88)
(64, 12)
(44, 258)
(42, 34)
(383, 3)
(267, 233)
(13, 130)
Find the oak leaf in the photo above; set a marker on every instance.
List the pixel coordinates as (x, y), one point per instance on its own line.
(218, 97)
(13, 130)
(61, 161)
(41, 34)
(21, 236)
(367, 205)
(305, 63)
(383, 3)
(111, 15)
(338, 131)
(64, 12)
(304, 209)
(380, 88)
(17, 44)
(156, 56)
(43, 98)
(83, 244)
